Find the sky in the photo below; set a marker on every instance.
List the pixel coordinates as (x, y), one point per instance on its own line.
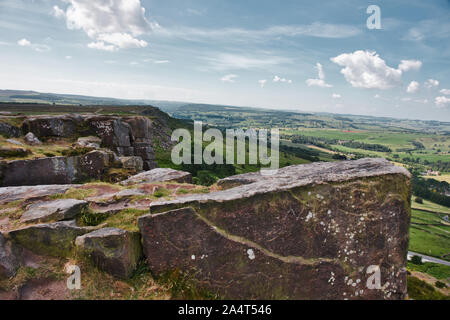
(293, 55)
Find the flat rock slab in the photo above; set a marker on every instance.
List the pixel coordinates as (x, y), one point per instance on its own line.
(112, 250)
(310, 232)
(159, 175)
(10, 194)
(54, 239)
(57, 210)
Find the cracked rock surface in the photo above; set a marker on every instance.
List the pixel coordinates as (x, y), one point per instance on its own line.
(308, 232)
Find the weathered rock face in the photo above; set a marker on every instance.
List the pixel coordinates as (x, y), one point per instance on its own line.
(54, 239)
(9, 258)
(56, 170)
(159, 175)
(57, 210)
(9, 130)
(112, 250)
(55, 126)
(309, 232)
(89, 142)
(134, 163)
(32, 140)
(128, 136)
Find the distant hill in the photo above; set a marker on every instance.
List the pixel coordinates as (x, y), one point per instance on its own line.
(235, 117)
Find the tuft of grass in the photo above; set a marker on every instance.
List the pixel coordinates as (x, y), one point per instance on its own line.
(181, 286)
(75, 193)
(126, 219)
(91, 219)
(182, 191)
(161, 192)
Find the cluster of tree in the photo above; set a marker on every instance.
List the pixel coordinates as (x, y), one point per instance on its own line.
(366, 146)
(443, 166)
(432, 190)
(325, 143)
(307, 154)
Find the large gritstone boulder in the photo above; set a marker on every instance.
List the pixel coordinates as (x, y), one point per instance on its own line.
(159, 175)
(54, 239)
(55, 126)
(132, 163)
(57, 210)
(56, 170)
(112, 250)
(317, 231)
(9, 258)
(32, 140)
(9, 130)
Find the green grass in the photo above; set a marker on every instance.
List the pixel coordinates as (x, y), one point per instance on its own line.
(420, 290)
(425, 242)
(430, 206)
(438, 271)
(126, 219)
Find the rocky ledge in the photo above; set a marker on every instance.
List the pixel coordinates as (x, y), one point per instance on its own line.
(309, 232)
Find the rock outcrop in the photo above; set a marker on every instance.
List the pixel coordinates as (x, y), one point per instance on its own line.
(309, 232)
(159, 175)
(54, 239)
(9, 130)
(89, 142)
(32, 140)
(133, 163)
(127, 136)
(10, 194)
(56, 170)
(9, 258)
(112, 250)
(57, 210)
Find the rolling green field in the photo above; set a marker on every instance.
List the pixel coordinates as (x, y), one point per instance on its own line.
(429, 234)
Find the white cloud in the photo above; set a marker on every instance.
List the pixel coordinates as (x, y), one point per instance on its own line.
(102, 46)
(112, 24)
(336, 96)
(225, 61)
(445, 91)
(161, 61)
(58, 12)
(365, 69)
(319, 82)
(413, 87)
(262, 82)
(122, 40)
(68, 57)
(430, 83)
(407, 65)
(279, 79)
(442, 102)
(24, 43)
(316, 29)
(36, 47)
(229, 78)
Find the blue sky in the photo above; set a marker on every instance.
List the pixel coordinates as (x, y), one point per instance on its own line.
(296, 55)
